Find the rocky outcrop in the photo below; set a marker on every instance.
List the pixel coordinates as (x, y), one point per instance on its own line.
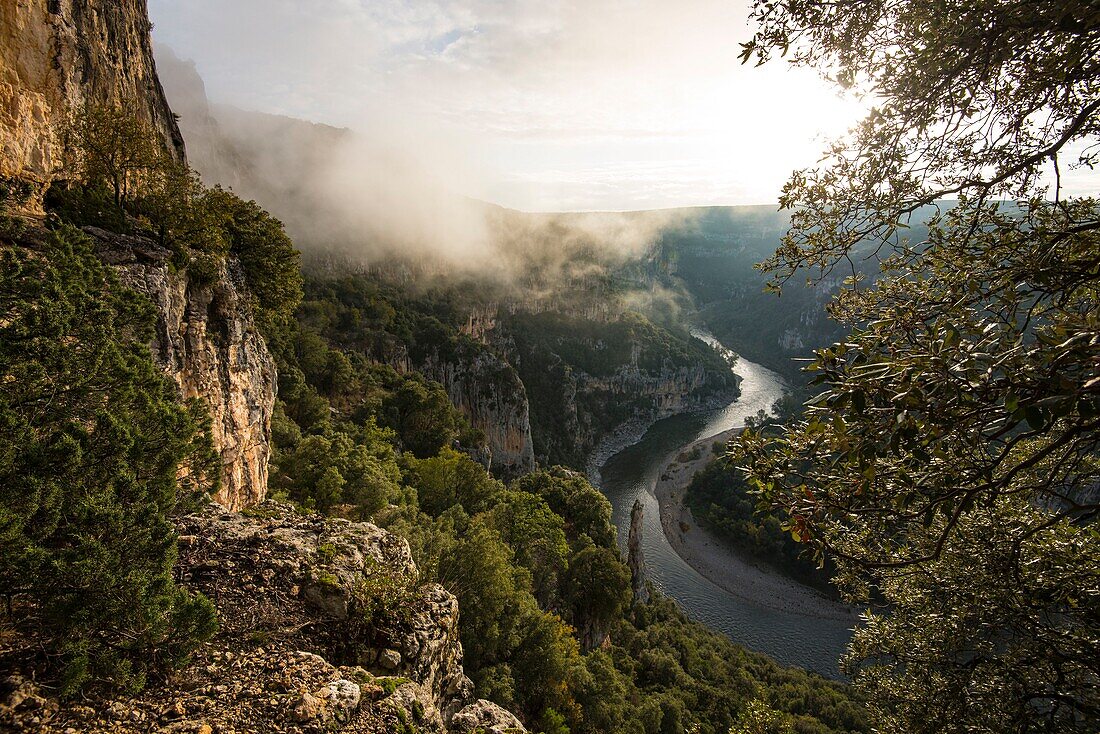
(55, 55)
(487, 718)
(670, 391)
(324, 627)
(635, 559)
(353, 585)
(208, 343)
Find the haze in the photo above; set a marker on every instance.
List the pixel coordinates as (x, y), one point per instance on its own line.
(539, 106)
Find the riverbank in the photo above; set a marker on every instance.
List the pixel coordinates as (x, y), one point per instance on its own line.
(716, 561)
(631, 432)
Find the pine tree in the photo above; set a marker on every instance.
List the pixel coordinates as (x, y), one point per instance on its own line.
(93, 439)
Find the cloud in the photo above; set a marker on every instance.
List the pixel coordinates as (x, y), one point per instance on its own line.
(370, 199)
(534, 96)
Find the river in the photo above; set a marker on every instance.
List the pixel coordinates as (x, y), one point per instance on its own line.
(791, 638)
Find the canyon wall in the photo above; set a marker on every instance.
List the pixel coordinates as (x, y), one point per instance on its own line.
(491, 395)
(55, 55)
(207, 341)
(572, 410)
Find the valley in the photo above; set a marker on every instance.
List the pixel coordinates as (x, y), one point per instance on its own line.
(303, 431)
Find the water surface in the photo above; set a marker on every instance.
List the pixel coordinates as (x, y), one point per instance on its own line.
(792, 639)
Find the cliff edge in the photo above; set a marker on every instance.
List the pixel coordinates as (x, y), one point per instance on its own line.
(324, 628)
(208, 343)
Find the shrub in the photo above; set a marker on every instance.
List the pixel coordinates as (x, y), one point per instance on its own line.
(92, 436)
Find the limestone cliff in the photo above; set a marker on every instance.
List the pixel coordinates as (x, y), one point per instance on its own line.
(596, 407)
(491, 395)
(57, 54)
(575, 411)
(208, 343)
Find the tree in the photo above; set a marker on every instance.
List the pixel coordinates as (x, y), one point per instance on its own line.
(478, 571)
(450, 479)
(359, 469)
(585, 509)
(271, 265)
(536, 536)
(93, 439)
(962, 416)
(545, 660)
(760, 718)
(179, 212)
(114, 148)
(422, 414)
(598, 588)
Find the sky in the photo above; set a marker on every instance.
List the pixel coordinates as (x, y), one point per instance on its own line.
(544, 105)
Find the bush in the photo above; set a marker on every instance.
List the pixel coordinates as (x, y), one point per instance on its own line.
(85, 204)
(122, 178)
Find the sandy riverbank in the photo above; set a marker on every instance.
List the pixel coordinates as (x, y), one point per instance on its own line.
(720, 564)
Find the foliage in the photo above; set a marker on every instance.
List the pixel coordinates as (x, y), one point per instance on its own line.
(760, 718)
(534, 564)
(724, 502)
(174, 207)
(15, 193)
(109, 147)
(691, 676)
(92, 437)
(961, 416)
(122, 179)
(987, 601)
(356, 466)
(597, 587)
(587, 512)
(422, 415)
(86, 204)
(267, 256)
(384, 599)
(536, 535)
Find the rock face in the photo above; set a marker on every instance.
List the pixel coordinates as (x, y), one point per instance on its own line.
(329, 584)
(578, 410)
(491, 395)
(208, 343)
(55, 55)
(485, 716)
(635, 557)
(208, 151)
(323, 628)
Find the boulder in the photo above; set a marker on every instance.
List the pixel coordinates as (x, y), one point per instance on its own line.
(485, 716)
